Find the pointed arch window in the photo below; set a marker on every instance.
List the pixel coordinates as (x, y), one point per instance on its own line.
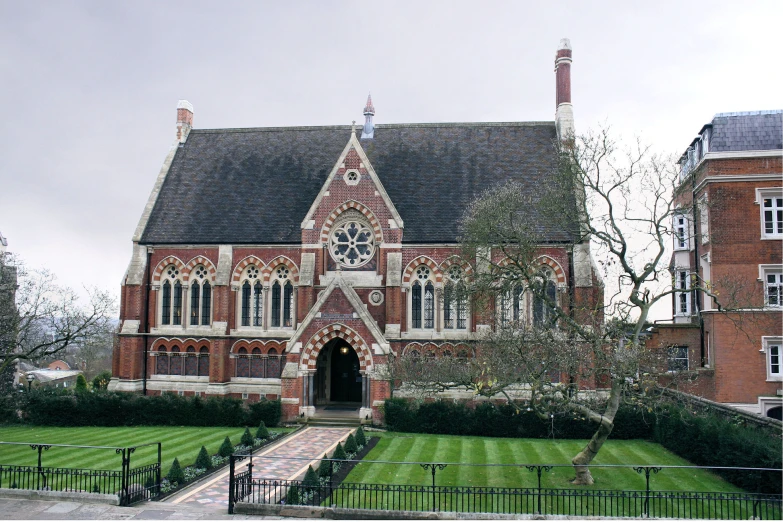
(162, 362)
(203, 362)
(423, 299)
(455, 307)
(252, 300)
(545, 299)
(175, 362)
(282, 299)
(273, 364)
(511, 307)
(242, 363)
(171, 297)
(191, 362)
(200, 297)
(256, 364)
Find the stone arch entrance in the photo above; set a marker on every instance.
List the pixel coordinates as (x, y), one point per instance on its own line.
(338, 378)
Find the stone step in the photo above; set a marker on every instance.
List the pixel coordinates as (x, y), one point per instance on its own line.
(334, 421)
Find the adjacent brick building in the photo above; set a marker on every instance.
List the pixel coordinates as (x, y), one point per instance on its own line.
(728, 237)
(291, 262)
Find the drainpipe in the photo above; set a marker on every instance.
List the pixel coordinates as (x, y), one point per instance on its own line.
(697, 264)
(146, 327)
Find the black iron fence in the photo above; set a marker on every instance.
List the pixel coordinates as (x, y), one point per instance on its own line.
(129, 484)
(523, 500)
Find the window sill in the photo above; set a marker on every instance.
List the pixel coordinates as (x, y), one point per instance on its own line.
(259, 332)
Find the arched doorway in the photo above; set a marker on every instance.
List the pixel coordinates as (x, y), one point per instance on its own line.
(337, 377)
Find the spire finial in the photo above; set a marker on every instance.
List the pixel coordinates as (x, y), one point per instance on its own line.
(353, 127)
(369, 111)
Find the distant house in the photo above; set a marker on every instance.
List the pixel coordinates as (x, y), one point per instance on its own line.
(59, 365)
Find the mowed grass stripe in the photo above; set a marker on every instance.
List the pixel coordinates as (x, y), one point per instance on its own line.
(396, 447)
(180, 442)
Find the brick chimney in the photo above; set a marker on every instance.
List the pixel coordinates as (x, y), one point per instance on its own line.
(564, 114)
(184, 120)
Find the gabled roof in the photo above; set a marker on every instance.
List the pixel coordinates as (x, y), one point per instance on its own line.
(740, 131)
(255, 186)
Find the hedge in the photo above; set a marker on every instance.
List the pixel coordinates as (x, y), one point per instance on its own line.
(51, 407)
(704, 440)
(503, 420)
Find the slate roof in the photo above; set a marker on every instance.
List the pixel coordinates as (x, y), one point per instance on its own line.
(255, 186)
(738, 131)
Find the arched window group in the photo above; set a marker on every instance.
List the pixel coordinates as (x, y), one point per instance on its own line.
(190, 363)
(256, 364)
(171, 291)
(253, 301)
(455, 306)
(252, 298)
(180, 303)
(535, 305)
(200, 297)
(423, 299)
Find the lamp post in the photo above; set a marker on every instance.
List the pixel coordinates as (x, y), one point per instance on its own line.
(30, 379)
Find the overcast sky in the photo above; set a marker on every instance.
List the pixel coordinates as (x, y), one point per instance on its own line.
(89, 89)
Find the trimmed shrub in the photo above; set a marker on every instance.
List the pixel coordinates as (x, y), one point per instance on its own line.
(339, 453)
(204, 460)
(175, 473)
(323, 467)
(310, 481)
(293, 497)
(247, 438)
(226, 449)
(350, 444)
(361, 440)
(262, 432)
(81, 384)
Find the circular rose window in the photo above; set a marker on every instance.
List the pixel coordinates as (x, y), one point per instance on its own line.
(352, 243)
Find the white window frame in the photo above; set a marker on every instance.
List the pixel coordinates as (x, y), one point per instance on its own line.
(681, 231)
(670, 359)
(765, 271)
(774, 194)
(772, 348)
(682, 285)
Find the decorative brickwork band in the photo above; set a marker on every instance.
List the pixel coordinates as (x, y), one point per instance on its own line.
(333, 331)
(439, 350)
(422, 260)
(376, 226)
(542, 261)
(456, 260)
(170, 260)
(200, 260)
(293, 270)
(167, 343)
(249, 260)
(264, 346)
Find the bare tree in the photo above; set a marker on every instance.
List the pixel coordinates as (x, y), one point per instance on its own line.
(39, 318)
(552, 360)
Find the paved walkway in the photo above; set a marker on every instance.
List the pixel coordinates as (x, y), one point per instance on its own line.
(309, 443)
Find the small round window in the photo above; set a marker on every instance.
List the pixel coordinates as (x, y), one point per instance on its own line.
(352, 243)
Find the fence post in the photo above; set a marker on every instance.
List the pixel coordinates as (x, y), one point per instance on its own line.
(123, 479)
(40, 448)
(158, 475)
(647, 470)
(231, 485)
(331, 473)
(538, 470)
(433, 467)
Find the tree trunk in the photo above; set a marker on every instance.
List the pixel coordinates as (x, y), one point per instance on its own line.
(605, 425)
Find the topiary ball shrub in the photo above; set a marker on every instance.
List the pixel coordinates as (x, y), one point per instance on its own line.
(339, 453)
(175, 473)
(323, 468)
(361, 440)
(247, 438)
(262, 432)
(203, 461)
(226, 449)
(350, 445)
(293, 498)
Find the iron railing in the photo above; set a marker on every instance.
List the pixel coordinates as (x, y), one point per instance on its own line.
(129, 484)
(523, 500)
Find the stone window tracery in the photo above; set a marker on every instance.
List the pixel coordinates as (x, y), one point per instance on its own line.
(545, 301)
(352, 242)
(171, 297)
(200, 297)
(282, 298)
(423, 299)
(455, 304)
(252, 298)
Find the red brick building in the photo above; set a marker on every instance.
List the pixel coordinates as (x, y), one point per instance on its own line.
(290, 262)
(728, 236)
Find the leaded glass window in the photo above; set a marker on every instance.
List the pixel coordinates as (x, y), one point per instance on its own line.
(352, 243)
(166, 304)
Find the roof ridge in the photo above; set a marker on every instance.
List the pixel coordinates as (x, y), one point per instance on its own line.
(379, 126)
(747, 113)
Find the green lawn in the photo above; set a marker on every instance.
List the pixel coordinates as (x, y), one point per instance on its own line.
(406, 447)
(183, 443)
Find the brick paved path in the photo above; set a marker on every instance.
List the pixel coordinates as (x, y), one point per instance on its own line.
(309, 443)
